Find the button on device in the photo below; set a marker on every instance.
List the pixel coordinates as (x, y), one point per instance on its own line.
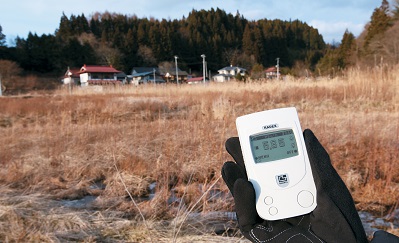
(273, 211)
(305, 199)
(268, 200)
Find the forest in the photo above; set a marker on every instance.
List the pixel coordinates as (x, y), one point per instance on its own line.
(126, 41)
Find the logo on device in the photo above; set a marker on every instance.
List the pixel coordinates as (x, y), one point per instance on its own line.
(270, 126)
(282, 180)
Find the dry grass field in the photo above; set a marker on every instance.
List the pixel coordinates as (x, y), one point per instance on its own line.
(148, 158)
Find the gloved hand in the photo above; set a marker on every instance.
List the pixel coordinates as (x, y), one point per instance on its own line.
(335, 218)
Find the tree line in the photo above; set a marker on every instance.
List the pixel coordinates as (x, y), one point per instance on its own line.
(125, 41)
(376, 46)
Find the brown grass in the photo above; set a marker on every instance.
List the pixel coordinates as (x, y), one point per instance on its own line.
(56, 146)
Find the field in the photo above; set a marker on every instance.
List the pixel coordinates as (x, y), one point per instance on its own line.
(142, 164)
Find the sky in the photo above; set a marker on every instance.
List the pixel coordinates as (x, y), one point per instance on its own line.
(331, 18)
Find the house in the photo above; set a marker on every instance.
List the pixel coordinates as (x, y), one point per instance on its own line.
(271, 73)
(228, 73)
(122, 77)
(170, 74)
(98, 75)
(141, 74)
(71, 76)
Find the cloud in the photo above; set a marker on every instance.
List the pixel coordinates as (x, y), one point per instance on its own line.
(334, 31)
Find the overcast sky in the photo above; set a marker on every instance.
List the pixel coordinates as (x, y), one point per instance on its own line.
(331, 18)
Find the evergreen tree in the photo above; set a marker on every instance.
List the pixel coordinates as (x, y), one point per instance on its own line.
(248, 40)
(347, 49)
(127, 40)
(380, 21)
(64, 29)
(2, 37)
(39, 53)
(76, 55)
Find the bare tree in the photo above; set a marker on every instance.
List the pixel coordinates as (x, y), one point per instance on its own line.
(8, 71)
(147, 55)
(231, 55)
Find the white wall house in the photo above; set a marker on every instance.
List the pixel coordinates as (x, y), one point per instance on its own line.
(98, 75)
(271, 73)
(228, 73)
(71, 76)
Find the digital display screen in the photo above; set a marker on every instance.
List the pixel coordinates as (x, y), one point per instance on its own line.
(271, 146)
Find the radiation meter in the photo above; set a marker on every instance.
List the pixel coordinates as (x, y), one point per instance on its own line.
(277, 163)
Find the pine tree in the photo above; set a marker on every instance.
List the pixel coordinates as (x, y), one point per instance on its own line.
(248, 40)
(380, 22)
(64, 30)
(346, 49)
(2, 37)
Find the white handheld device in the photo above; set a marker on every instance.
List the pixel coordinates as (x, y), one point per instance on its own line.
(277, 163)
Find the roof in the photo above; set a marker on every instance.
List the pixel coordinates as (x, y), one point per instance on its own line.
(144, 70)
(195, 79)
(121, 75)
(142, 74)
(271, 69)
(161, 71)
(229, 68)
(223, 75)
(98, 69)
(74, 71)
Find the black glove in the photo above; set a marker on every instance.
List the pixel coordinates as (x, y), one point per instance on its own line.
(384, 237)
(335, 218)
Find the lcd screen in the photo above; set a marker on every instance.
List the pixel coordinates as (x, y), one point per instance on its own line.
(271, 146)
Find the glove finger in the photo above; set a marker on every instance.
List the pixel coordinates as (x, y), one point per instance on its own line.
(233, 147)
(259, 230)
(230, 173)
(244, 199)
(334, 200)
(384, 237)
(320, 162)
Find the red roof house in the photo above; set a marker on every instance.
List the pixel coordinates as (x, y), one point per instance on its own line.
(98, 75)
(271, 73)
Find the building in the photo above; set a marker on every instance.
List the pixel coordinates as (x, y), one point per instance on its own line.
(162, 74)
(98, 75)
(228, 73)
(71, 76)
(170, 74)
(143, 75)
(271, 73)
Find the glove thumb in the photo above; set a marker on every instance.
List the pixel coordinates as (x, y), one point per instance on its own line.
(244, 198)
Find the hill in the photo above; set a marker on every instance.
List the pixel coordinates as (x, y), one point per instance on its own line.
(126, 41)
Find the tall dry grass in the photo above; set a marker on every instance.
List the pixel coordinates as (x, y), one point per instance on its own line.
(57, 146)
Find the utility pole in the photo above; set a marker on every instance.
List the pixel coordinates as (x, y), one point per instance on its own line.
(177, 72)
(69, 73)
(203, 67)
(154, 74)
(278, 68)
